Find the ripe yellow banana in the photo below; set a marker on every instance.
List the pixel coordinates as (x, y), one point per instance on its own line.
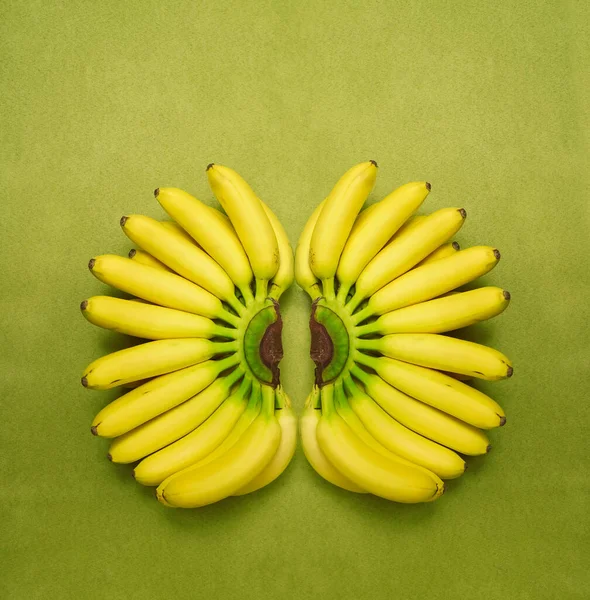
(400, 440)
(149, 321)
(304, 276)
(156, 397)
(284, 276)
(204, 484)
(436, 389)
(144, 258)
(441, 252)
(373, 228)
(180, 233)
(441, 314)
(150, 360)
(366, 467)
(250, 221)
(212, 231)
(406, 250)
(336, 219)
(280, 461)
(198, 444)
(184, 257)
(170, 426)
(158, 286)
(321, 465)
(424, 419)
(431, 280)
(443, 353)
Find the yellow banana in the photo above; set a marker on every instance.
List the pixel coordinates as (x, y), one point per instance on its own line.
(158, 286)
(400, 440)
(147, 259)
(336, 219)
(180, 233)
(366, 467)
(405, 251)
(212, 231)
(441, 314)
(250, 221)
(436, 389)
(373, 228)
(444, 353)
(304, 276)
(193, 447)
(149, 321)
(181, 417)
(441, 252)
(184, 257)
(150, 360)
(424, 419)
(431, 280)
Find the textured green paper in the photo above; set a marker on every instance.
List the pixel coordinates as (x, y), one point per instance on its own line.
(101, 102)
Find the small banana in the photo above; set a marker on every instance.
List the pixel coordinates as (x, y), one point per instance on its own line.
(144, 258)
(304, 276)
(441, 252)
(179, 231)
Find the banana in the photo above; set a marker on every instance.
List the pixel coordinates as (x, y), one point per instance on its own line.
(444, 353)
(336, 220)
(157, 286)
(441, 252)
(284, 276)
(441, 314)
(180, 233)
(280, 461)
(184, 417)
(184, 257)
(212, 231)
(431, 280)
(150, 360)
(408, 226)
(304, 276)
(423, 419)
(322, 466)
(200, 485)
(250, 221)
(405, 251)
(367, 468)
(149, 321)
(147, 259)
(438, 390)
(196, 445)
(373, 228)
(399, 439)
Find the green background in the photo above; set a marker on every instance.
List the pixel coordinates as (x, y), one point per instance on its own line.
(101, 102)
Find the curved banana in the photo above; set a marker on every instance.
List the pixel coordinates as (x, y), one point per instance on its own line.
(431, 280)
(399, 439)
(250, 221)
(441, 252)
(373, 228)
(198, 444)
(184, 257)
(304, 276)
(406, 250)
(424, 419)
(366, 467)
(438, 390)
(336, 219)
(204, 484)
(443, 353)
(181, 417)
(441, 314)
(315, 457)
(144, 258)
(212, 231)
(156, 397)
(150, 360)
(280, 461)
(179, 231)
(158, 286)
(149, 321)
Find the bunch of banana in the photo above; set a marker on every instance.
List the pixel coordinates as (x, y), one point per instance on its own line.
(206, 416)
(390, 413)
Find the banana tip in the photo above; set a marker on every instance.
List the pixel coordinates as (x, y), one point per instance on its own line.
(456, 246)
(156, 192)
(374, 162)
(123, 221)
(428, 185)
(91, 263)
(132, 253)
(94, 430)
(502, 421)
(84, 382)
(209, 166)
(509, 372)
(488, 448)
(84, 305)
(506, 295)
(463, 213)
(497, 253)
(110, 457)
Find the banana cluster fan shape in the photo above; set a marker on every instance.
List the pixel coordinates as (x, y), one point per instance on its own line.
(392, 412)
(202, 414)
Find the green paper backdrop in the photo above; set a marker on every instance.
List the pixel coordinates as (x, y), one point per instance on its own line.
(101, 102)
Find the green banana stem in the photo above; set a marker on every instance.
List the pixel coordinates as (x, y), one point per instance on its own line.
(247, 294)
(361, 375)
(236, 305)
(327, 400)
(367, 329)
(261, 289)
(255, 395)
(314, 291)
(353, 303)
(365, 359)
(362, 315)
(225, 332)
(245, 387)
(230, 318)
(228, 363)
(268, 400)
(224, 347)
(370, 344)
(328, 287)
(343, 293)
(315, 398)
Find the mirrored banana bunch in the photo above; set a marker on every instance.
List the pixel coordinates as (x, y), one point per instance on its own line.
(204, 415)
(391, 413)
